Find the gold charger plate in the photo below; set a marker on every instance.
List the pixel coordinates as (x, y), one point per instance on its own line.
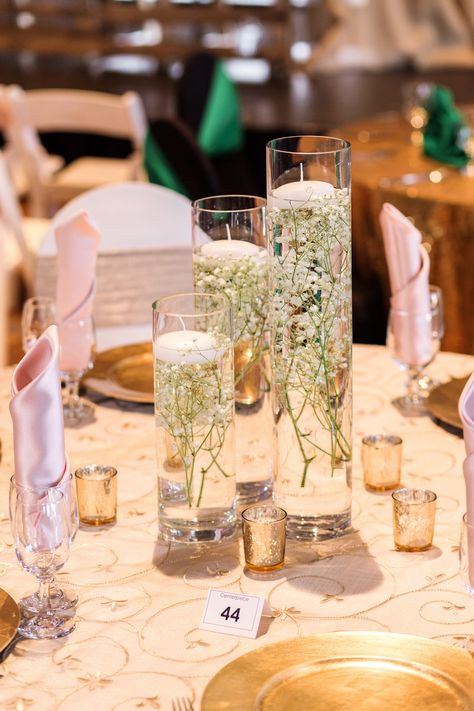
(344, 671)
(124, 373)
(442, 404)
(9, 619)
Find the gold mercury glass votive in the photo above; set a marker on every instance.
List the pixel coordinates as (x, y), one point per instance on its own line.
(97, 494)
(264, 529)
(413, 519)
(381, 461)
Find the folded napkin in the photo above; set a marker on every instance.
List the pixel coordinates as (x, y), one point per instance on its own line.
(408, 267)
(77, 242)
(466, 413)
(37, 414)
(441, 133)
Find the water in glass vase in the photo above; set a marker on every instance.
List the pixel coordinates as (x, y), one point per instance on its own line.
(194, 408)
(311, 353)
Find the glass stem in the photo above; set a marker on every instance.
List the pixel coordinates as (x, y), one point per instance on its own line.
(72, 392)
(414, 393)
(43, 594)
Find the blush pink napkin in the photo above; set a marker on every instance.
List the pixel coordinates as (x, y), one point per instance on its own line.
(37, 414)
(466, 413)
(408, 267)
(77, 242)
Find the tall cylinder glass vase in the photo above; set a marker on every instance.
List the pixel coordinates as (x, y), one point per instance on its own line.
(309, 230)
(230, 258)
(194, 411)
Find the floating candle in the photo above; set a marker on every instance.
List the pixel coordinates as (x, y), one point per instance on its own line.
(187, 348)
(298, 193)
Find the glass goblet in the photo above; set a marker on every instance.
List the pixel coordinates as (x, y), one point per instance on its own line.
(40, 522)
(76, 357)
(404, 325)
(60, 598)
(38, 313)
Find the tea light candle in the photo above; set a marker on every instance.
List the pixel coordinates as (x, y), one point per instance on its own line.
(187, 347)
(298, 193)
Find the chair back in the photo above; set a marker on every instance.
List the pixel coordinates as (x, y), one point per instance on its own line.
(10, 214)
(145, 251)
(76, 110)
(68, 110)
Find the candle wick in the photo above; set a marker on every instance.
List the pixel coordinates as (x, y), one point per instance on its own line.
(301, 172)
(229, 236)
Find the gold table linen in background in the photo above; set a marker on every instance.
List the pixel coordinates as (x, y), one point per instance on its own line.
(443, 211)
(137, 642)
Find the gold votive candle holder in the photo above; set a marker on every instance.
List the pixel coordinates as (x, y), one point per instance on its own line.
(264, 532)
(381, 461)
(96, 494)
(413, 519)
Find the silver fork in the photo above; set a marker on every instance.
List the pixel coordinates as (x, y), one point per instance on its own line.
(182, 704)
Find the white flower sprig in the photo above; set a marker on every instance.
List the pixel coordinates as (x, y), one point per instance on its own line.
(245, 282)
(194, 404)
(311, 324)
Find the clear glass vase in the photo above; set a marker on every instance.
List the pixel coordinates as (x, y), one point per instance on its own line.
(230, 258)
(309, 231)
(194, 411)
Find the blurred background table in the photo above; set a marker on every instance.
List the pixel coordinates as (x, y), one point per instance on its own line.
(388, 167)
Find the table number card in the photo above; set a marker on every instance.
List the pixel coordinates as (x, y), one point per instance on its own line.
(233, 613)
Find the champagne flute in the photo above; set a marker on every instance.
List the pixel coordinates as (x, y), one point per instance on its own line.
(76, 357)
(419, 384)
(60, 598)
(38, 313)
(40, 522)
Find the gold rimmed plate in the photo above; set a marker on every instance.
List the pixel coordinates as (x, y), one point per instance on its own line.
(9, 619)
(442, 404)
(123, 373)
(343, 671)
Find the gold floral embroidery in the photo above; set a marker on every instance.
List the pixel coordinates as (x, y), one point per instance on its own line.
(115, 604)
(153, 701)
(329, 597)
(95, 680)
(19, 703)
(452, 607)
(284, 612)
(434, 578)
(217, 572)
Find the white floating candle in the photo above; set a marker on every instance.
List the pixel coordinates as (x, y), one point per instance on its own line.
(298, 193)
(187, 348)
(229, 249)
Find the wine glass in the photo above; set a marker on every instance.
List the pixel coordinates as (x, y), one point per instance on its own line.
(60, 598)
(76, 357)
(406, 331)
(38, 313)
(40, 522)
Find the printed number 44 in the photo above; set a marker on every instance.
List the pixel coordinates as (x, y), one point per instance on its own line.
(226, 614)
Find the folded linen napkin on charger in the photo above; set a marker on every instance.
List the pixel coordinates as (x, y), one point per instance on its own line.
(37, 414)
(441, 135)
(466, 413)
(408, 267)
(77, 242)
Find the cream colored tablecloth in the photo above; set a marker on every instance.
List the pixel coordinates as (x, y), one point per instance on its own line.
(137, 642)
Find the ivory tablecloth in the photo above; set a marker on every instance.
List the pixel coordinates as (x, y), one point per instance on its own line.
(137, 642)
